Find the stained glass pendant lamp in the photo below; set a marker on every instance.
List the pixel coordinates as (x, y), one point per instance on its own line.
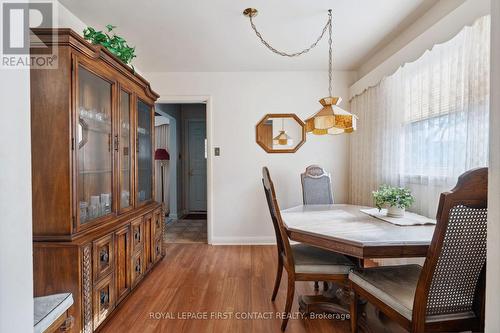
(331, 119)
(282, 139)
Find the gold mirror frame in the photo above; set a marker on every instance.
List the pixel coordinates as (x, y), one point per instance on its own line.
(300, 141)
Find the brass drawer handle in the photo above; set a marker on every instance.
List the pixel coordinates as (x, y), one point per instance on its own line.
(68, 324)
(137, 235)
(138, 268)
(104, 256)
(104, 297)
(116, 142)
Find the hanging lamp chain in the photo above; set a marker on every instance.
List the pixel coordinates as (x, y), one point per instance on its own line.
(328, 26)
(330, 55)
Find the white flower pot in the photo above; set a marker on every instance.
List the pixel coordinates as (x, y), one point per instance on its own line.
(395, 211)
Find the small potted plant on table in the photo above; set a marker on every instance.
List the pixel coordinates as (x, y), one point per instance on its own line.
(396, 199)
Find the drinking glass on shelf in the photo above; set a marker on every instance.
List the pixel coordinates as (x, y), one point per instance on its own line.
(95, 207)
(125, 197)
(83, 210)
(105, 203)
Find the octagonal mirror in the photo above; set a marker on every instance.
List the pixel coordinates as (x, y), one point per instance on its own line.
(280, 133)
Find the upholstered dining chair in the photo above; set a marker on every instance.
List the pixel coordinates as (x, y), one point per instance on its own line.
(447, 293)
(301, 262)
(316, 190)
(316, 186)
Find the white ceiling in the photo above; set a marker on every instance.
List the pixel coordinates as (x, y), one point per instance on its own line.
(194, 35)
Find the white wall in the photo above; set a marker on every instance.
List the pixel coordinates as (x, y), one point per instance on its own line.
(437, 26)
(493, 264)
(238, 101)
(16, 261)
(16, 268)
(66, 19)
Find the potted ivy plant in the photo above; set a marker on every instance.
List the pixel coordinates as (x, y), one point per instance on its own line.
(111, 41)
(396, 199)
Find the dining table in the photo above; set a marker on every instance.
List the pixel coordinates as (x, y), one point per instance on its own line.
(346, 229)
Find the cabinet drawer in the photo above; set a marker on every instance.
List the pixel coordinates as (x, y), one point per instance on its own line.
(122, 269)
(137, 226)
(103, 250)
(158, 221)
(138, 266)
(104, 299)
(157, 249)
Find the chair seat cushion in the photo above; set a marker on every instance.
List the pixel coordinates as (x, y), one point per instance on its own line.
(393, 285)
(312, 260)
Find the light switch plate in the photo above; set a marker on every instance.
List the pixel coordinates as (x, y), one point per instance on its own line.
(217, 151)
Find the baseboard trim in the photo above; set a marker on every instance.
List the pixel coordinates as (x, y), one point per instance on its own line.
(263, 240)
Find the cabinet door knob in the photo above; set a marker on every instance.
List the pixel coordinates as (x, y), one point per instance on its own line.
(137, 235)
(138, 268)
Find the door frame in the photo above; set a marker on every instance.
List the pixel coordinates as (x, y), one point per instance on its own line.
(185, 165)
(207, 100)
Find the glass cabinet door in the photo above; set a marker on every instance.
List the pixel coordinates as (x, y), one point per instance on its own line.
(94, 146)
(124, 151)
(144, 152)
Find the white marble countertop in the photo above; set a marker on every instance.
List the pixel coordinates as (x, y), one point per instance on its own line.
(49, 308)
(346, 223)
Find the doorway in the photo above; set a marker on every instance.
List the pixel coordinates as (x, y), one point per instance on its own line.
(187, 174)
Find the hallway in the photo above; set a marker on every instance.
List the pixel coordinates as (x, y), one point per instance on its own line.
(186, 231)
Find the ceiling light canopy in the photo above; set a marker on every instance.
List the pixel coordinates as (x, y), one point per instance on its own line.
(331, 119)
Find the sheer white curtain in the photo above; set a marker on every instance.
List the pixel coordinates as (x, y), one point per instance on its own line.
(427, 123)
(161, 141)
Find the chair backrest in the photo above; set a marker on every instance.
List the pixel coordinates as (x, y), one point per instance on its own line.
(456, 259)
(316, 186)
(282, 241)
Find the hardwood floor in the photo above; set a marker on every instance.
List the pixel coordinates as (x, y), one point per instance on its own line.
(200, 278)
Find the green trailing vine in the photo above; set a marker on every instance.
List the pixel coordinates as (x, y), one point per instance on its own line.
(114, 43)
(393, 197)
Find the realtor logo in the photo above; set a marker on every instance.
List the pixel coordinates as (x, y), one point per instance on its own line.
(18, 18)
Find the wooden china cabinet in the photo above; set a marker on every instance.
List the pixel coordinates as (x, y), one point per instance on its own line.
(97, 230)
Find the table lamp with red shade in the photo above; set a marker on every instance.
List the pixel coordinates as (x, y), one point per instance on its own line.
(162, 155)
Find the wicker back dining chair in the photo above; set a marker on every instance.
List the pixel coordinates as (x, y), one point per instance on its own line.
(447, 293)
(316, 186)
(302, 262)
